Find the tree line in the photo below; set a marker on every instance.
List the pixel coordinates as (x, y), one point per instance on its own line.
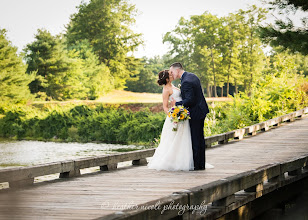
(222, 51)
(95, 55)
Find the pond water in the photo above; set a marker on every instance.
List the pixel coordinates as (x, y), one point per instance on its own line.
(27, 153)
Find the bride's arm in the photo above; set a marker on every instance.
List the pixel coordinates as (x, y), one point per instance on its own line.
(165, 100)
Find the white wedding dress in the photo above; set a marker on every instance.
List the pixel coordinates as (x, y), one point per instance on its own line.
(175, 148)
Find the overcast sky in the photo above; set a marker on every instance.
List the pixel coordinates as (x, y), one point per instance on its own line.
(22, 18)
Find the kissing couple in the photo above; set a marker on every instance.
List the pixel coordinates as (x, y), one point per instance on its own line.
(183, 149)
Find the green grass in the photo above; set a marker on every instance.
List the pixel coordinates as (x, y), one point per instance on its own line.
(11, 165)
(125, 97)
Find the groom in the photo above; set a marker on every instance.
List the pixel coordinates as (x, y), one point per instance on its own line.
(193, 99)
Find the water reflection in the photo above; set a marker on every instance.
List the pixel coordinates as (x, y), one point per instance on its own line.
(25, 153)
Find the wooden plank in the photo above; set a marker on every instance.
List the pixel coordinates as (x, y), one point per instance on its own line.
(294, 164)
(226, 187)
(20, 173)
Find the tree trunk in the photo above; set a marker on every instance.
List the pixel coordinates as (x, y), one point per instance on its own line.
(230, 59)
(208, 90)
(215, 89)
(250, 84)
(222, 91)
(229, 67)
(228, 85)
(210, 94)
(251, 74)
(245, 86)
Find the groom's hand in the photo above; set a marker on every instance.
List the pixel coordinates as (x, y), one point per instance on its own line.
(173, 102)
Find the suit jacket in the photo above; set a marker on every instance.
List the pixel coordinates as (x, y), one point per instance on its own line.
(193, 97)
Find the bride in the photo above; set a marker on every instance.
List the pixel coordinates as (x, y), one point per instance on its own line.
(175, 148)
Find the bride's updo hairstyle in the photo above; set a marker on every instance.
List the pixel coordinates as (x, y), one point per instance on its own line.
(162, 77)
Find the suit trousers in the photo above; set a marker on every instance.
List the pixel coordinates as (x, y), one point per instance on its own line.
(198, 142)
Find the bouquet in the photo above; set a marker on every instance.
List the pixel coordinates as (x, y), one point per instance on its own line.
(178, 114)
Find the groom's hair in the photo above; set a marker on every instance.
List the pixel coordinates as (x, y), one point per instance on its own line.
(177, 65)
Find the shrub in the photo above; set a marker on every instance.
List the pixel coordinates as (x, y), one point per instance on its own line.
(108, 124)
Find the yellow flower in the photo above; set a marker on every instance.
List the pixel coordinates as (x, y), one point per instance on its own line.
(176, 110)
(169, 114)
(174, 115)
(182, 116)
(185, 110)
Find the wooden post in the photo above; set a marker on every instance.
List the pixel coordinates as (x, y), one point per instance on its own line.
(266, 128)
(208, 145)
(69, 174)
(276, 179)
(239, 134)
(142, 161)
(277, 125)
(223, 141)
(253, 133)
(295, 172)
(255, 188)
(224, 201)
(240, 137)
(291, 119)
(109, 167)
(21, 183)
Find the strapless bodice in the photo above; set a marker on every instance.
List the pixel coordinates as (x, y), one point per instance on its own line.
(176, 95)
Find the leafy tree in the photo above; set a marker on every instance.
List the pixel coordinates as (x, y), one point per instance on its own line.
(13, 78)
(181, 42)
(302, 62)
(146, 78)
(251, 54)
(285, 33)
(107, 27)
(220, 50)
(58, 71)
(231, 48)
(98, 80)
(187, 48)
(283, 62)
(207, 31)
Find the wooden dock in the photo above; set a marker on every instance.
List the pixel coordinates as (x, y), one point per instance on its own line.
(103, 195)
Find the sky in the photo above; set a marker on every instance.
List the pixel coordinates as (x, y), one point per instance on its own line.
(22, 18)
(160, 16)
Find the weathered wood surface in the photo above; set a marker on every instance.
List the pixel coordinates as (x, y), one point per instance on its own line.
(253, 129)
(95, 195)
(70, 168)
